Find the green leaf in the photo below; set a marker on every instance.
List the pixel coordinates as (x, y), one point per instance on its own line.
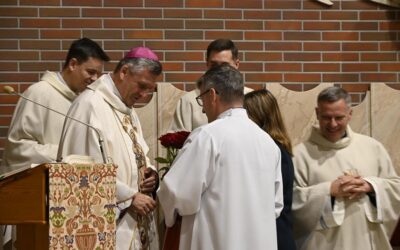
(161, 160)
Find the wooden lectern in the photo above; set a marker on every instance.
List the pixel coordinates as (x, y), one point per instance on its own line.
(61, 206)
(23, 203)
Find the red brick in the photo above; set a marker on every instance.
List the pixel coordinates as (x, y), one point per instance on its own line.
(358, 5)
(59, 12)
(321, 25)
(340, 36)
(339, 15)
(8, 44)
(184, 56)
(356, 87)
(40, 2)
(103, 12)
(121, 44)
(143, 13)
(321, 67)
(340, 77)
(378, 57)
(282, 4)
(163, 24)
(263, 56)
(234, 35)
(302, 56)
(166, 45)
(18, 33)
(293, 86)
(321, 46)
(172, 66)
(283, 46)
(389, 46)
(18, 12)
(262, 14)
(337, 56)
(39, 23)
(250, 66)
(359, 46)
(20, 77)
(182, 77)
(379, 77)
(39, 66)
(60, 34)
(302, 36)
(301, 15)
(205, 24)
(227, 14)
(82, 2)
(82, 23)
(204, 4)
(359, 67)
(9, 111)
(245, 45)
(302, 77)
(197, 45)
(314, 5)
(183, 34)
(377, 15)
(370, 26)
(393, 66)
(283, 67)
(123, 3)
(13, 85)
(143, 34)
(389, 25)
(52, 55)
(39, 44)
(8, 66)
(263, 35)
(182, 13)
(248, 4)
(195, 66)
(103, 34)
(244, 25)
(394, 86)
(377, 36)
(9, 2)
(8, 22)
(263, 77)
(4, 121)
(163, 3)
(19, 55)
(282, 25)
(255, 86)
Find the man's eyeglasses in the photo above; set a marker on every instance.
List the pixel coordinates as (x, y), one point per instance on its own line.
(199, 98)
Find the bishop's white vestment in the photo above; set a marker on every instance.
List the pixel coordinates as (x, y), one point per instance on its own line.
(226, 184)
(100, 106)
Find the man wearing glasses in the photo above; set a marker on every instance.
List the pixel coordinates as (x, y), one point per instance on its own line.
(107, 106)
(226, 180)
(188, 115)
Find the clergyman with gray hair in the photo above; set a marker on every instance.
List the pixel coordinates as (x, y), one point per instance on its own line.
(107, 106)
(226, 180)
(346, 191)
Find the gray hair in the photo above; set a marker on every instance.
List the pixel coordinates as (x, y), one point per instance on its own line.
(226, 80)
(333, 94)
(140, 64)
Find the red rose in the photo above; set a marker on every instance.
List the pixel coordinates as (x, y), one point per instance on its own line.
(174, 140)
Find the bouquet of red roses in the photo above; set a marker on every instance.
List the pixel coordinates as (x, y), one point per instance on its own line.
(172, 142)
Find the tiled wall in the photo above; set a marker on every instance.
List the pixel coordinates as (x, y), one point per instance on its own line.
(299, 43)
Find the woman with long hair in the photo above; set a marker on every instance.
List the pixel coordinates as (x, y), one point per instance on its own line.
(263, 109)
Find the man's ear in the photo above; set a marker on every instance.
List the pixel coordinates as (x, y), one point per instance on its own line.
(72, 64)
(213, 94)
(237, 62)
(124, 71)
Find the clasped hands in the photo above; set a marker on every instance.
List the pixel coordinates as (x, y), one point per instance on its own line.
(142, 202)
(350, 186)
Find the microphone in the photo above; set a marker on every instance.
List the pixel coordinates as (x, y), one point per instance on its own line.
(10, 90)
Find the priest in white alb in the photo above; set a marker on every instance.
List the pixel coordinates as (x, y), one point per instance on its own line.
(226, 181)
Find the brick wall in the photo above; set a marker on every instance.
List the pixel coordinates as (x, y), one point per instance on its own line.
(299, 43)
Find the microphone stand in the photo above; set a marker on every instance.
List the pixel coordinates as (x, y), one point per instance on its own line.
(11, 90)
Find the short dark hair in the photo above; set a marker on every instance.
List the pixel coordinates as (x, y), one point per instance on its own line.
(221, 45)
(333, 94)
(226, 80)
(84, 48)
